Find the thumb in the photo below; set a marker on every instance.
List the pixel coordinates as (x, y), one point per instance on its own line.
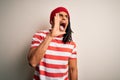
(63, 32)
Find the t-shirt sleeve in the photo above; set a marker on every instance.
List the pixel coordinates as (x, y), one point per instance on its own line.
(74, 53)
(37, 39)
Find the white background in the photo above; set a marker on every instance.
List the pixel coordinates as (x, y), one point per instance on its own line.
(96, 26)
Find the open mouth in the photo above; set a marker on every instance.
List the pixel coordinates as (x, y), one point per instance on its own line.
(62, 26)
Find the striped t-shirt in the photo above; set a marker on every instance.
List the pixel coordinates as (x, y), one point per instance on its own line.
(54, 64)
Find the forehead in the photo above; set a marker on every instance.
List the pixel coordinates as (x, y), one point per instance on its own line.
(62, 12)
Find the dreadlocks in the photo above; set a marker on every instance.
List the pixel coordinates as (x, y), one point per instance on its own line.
(68, 36)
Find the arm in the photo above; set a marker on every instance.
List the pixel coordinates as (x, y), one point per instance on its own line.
(36, 54)
(73, 73)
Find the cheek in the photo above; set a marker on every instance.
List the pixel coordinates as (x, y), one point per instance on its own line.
(60, 18)
(67, 22)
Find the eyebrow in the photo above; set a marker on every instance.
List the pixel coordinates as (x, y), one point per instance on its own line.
(62, 15)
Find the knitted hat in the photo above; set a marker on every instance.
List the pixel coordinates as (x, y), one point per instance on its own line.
(57, 10)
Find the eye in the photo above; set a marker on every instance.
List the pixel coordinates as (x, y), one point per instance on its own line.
(66, 16)
(60, 15)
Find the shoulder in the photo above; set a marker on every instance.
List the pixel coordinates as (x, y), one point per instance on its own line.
(73, 43)
(41, 33)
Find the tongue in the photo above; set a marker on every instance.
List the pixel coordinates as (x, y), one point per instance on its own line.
(61, 28)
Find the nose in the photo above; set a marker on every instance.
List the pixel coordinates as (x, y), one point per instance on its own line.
(64, 17)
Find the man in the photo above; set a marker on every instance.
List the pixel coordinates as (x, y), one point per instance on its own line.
(53, 52)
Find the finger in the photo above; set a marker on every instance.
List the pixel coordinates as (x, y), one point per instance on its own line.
(57, 16)
(56, 21)
(63, 32)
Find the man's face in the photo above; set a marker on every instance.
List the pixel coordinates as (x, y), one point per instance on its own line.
(63, 21)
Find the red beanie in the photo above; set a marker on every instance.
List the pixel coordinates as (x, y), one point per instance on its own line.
(57, 10)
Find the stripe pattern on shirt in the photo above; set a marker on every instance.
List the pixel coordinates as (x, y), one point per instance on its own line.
(54, 64)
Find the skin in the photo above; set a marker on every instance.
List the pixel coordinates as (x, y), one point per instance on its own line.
(36, 54)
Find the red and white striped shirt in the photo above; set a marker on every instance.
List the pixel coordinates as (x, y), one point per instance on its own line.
(54, 64)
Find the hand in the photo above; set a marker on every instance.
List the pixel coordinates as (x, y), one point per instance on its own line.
(56, 30)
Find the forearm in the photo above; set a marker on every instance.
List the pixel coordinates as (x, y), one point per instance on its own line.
(37, 54)
(73, 74)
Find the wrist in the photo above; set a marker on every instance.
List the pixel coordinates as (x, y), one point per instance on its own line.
(50, 36)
